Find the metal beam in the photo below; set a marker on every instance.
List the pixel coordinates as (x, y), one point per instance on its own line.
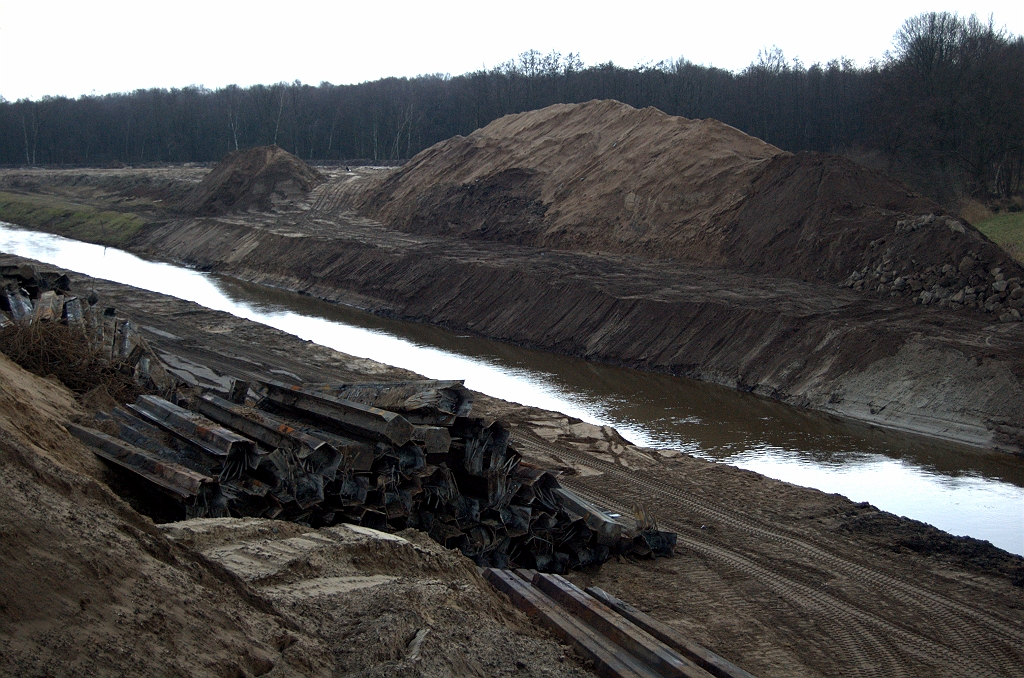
(617, 629)
(609, 659)
(363, 420)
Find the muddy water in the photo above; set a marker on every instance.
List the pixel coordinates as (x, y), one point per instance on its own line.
(960, 490)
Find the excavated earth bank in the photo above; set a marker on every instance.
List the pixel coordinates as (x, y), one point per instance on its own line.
(649, 241)
(780, 579)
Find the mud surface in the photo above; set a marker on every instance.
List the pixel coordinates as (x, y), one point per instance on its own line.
(782, 580)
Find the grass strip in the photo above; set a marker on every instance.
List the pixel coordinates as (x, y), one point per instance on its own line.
(1007, 231)
(71, 220)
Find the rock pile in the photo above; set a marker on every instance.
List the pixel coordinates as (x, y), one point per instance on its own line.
(969, 283)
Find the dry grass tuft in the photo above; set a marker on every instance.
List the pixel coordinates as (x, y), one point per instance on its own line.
(64, 352)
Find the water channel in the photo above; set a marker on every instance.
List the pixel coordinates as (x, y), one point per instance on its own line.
(958, 489)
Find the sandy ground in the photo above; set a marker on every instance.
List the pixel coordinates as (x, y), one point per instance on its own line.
(88, 586)
(782, 580)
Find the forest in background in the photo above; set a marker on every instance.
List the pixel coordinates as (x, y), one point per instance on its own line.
(944, 110)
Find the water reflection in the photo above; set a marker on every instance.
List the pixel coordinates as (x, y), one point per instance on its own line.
(961, 490)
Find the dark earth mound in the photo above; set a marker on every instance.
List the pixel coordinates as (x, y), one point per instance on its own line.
(255, 179)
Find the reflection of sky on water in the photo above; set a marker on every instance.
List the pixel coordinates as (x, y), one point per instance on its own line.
(959, 490)
(962, 505)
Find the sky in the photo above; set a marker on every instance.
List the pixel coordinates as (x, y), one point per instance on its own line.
(92, 47)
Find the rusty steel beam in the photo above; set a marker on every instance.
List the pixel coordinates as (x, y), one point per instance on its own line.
(207, 434)
(19, 305)
(259, 425)
(363, 420)
(425, 402)
(178, 481)
(49, 306)
(238, 452)
(663, 659)
(610, 660)
(706, 659)
(433, 439)
(609, 530)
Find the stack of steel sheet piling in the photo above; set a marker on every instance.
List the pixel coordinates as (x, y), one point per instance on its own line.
(28, 296)
(388, 456)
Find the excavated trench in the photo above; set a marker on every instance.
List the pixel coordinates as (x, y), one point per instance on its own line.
(950, 376)
(792, 444)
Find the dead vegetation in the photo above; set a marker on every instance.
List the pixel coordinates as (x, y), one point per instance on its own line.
(64, 352)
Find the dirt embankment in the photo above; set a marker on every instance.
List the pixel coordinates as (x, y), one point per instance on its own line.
(88, 586)
(605, 177)
(780, 579)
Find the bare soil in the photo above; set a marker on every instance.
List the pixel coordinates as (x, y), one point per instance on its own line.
(89, 586)
(253, 179)
(782, 580)
(605, 177)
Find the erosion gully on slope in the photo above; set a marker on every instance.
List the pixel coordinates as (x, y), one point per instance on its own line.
(961, 490)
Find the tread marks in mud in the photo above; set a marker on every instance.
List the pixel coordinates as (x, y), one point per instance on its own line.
(331, 195)
(869, 653)
(955, 623)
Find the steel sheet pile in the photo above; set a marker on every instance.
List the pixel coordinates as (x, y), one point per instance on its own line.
(324, 454)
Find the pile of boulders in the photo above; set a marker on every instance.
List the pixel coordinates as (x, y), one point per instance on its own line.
(971, 282)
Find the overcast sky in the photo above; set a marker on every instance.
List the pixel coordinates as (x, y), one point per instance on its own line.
(83, 47)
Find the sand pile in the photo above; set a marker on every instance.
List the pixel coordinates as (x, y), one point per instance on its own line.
(605, 177)
(253, 179)
(595, 176)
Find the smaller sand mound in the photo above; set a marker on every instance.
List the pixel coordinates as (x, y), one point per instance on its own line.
(253, 179)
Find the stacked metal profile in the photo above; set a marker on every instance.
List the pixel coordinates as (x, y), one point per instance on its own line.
(388, 456)
(620, 640)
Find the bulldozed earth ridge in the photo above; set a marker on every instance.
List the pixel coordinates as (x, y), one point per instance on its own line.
(930, 370)
(779, 579)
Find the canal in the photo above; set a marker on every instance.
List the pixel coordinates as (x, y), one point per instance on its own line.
(962, 490)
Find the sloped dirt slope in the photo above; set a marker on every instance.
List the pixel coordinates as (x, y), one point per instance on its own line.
(605, 177)
(90, 587)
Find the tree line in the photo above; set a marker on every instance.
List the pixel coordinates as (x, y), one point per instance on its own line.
(944, 110)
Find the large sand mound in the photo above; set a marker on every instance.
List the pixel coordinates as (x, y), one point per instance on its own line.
(253, 179)
(595, 176)
(605, 177)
